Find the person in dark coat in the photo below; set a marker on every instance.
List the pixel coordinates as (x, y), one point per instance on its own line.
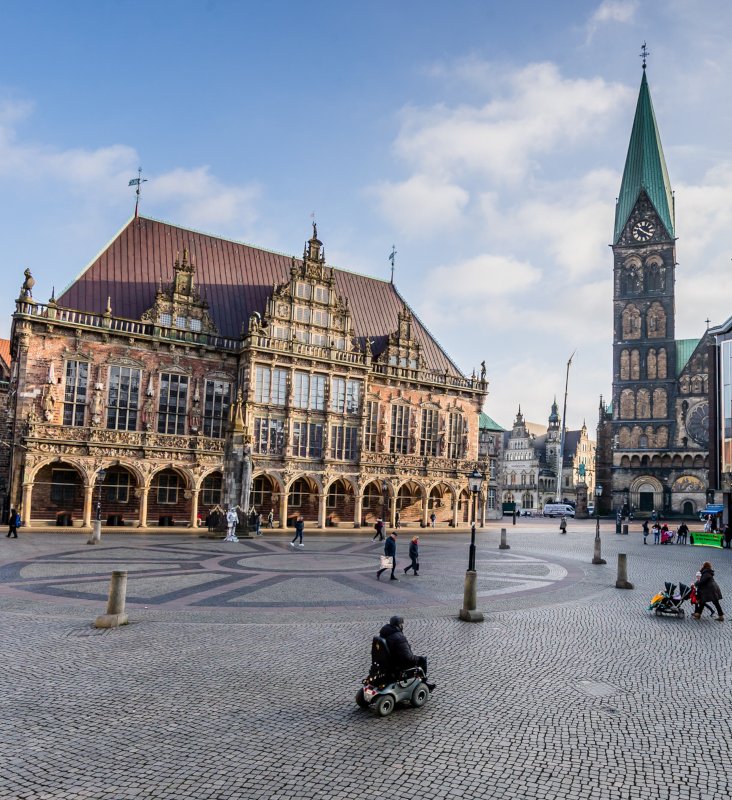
(682, 533)
(379, 528)
(390, 550)
(708, 591)
(728, 536)
(646, 531)
(400, 653)
(563, 525)
(13, 522)
(414, 556)
(299, 528)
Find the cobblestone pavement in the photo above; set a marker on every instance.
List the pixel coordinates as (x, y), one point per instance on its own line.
(569, 689)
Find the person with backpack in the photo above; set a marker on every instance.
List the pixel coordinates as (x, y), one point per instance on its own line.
(379, 528)
(13, 524)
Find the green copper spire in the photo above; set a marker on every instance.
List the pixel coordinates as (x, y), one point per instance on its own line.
(645, 168)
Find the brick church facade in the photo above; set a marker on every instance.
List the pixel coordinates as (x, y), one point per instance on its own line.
(136, 370)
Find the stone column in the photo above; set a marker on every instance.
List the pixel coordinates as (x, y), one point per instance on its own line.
(425, 510)
(392, 512)
(322, 497)
(25, 514)
(194, 508)
(88, 498)
(483, 504)
(455, 504)
(143, 507)
(357, 510)
(283, 509)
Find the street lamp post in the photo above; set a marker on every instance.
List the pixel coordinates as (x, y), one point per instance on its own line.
(96, 536)
(469, 612)
(597, 557)
(384, 490)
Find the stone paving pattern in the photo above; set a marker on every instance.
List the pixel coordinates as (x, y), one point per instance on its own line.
(569, 689)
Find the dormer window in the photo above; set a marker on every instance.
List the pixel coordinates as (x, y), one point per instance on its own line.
(194, 325)
(320, 318)
(322, 295)
(166, 320)
(303, 290)
(180, 322)
(302, 314)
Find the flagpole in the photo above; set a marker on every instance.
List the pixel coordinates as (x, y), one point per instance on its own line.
(560, 466)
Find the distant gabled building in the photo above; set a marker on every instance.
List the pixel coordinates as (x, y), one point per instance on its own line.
(350, 406)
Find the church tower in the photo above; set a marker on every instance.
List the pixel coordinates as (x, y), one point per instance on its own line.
(644, 349)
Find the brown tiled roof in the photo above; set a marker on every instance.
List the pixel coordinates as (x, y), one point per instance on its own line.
(234, 278)
(5, 352)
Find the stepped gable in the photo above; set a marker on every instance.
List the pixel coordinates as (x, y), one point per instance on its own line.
(5, 354)
(234, 278)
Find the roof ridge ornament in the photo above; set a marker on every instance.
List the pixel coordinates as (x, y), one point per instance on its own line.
(644, 53)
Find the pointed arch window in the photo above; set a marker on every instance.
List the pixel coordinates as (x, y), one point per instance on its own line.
(631, 322)
(662, 368)
(656, 322)
(652, 365)
(660, 404)
(624, 365)
(643, 404)
(634, 365)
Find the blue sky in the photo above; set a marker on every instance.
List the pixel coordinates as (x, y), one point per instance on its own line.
(485, 140)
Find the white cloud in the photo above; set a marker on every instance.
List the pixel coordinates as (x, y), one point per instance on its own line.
(482, 278)
(619, 11)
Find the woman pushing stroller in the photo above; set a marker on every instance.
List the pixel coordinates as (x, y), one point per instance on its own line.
(707, 591)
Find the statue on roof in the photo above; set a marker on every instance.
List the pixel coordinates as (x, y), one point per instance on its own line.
(26, 289)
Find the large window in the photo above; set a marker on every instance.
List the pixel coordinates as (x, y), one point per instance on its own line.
(371, 431)
(123, 400)
(307, 439)
(345, 395)
(116, 487)
(64, 485)
(211, 490)
(168, 485)
(399, 429)
(173, 403)
(343, 442)
(216, 408)
(455, 436)
(309, 391)
(270, 386)
(269, 435)
(429, 440)
(77, 379)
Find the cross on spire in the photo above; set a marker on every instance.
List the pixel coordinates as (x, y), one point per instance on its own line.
(644, 53)
(392, 256)
(138, 181)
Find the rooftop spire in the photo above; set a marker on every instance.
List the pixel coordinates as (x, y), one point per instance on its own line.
(645, 166)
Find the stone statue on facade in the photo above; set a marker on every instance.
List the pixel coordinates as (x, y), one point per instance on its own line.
(97, 405)
(49, 404)
(246, 478)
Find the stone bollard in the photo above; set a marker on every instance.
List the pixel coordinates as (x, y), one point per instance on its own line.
(597, 556)
(115, 615)
(468, 612)
(504, 544)
(625, 529)
(96, 534)
(622, 582)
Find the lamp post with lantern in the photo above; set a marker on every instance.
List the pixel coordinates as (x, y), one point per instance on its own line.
(469, 612)
(597, 557)
(96, 536)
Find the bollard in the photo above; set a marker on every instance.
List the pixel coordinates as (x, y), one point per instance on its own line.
(96, 534)
(468, 612)
(597, 556)
(115, 615)
(625, 529)
(503, 545)
(622, 582)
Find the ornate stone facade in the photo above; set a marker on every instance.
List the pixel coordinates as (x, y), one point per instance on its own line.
(343, 425)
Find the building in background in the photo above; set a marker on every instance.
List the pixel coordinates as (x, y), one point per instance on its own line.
(351, 408)
(720, 420)
(490, 453)
(5, 428)
(653, 438)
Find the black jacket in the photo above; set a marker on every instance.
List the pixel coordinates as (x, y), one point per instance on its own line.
(390, 547)
(707, 589)
(413, 551)
(400, 652)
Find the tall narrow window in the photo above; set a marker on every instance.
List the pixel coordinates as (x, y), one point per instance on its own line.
(399, 429)
(429, 439)
(343, 440)
(168, 485)
(173, 403)
(307, 439)
(216, 408)
(455, 436)
(124, 398)
(262, 378)
(302, 389)
(211, 494)
(269, 435)
(77, 379)
(372, 426)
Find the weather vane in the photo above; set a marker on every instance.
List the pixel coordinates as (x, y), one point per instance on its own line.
(392, 256)
(138, 181)
(644, 53)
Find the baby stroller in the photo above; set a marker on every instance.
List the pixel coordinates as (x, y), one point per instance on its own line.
(670, 601)
(384, 687)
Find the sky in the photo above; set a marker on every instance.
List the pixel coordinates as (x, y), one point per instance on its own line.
(484, 140)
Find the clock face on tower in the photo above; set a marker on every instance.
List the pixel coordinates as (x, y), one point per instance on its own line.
(643, 230)
(697, 423)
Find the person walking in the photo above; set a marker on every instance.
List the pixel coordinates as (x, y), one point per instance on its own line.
(389, 552)
(414, 556)
(656, 533)
(13, 524)
(728, 536)
(258, 523)
(682, 533)
(708, 591)
(379, 528)
(433, 518)
(397, 520)
(299, 528)
(270, 519)
(646, 531)
(563, 525)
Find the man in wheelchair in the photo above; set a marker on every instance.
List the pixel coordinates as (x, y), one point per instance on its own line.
(399, 658)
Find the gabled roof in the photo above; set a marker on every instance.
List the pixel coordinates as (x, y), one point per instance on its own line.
(5, 355)
(645, 168)
(684, 351)
(235, 279)
(485, 422)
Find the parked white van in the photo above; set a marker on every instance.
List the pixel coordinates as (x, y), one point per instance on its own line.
(558, 510)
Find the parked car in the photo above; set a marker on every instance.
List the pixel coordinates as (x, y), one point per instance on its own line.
(527, 512)
(558, 510)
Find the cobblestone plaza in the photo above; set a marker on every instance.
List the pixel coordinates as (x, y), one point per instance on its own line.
(237, 673)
